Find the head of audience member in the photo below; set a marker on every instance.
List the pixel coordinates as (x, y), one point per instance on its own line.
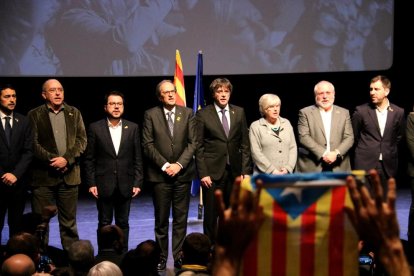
(324, 95)
(196, 249)
(81, 256)
(111, 237)
(7, 99)
(23, 243)
(114, 105)
(18, 265)
(221, 89)
(105, 268)
(53, 93)
(269, 107)
(379, 89)
(166, 93)
(142, 260)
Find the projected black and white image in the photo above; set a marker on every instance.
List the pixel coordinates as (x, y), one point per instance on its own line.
(139, 37)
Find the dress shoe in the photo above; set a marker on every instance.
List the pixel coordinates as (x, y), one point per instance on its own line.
(162, 264)
(178, 263)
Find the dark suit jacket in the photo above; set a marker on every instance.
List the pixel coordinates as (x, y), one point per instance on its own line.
(16, 158)
(213, 145)
(45, 146)
(410, 143)
(104, 168)
(368, 141)
(160, 147)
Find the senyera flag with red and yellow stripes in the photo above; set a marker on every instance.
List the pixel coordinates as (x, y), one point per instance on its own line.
(179, 80)
(306, 230)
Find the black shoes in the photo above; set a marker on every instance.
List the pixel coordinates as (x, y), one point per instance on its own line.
(162, 264)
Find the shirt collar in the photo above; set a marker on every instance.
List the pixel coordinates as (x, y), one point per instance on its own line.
(166, 110)
(2, 115)
(114, 126)
(52, 110)
(218, 108)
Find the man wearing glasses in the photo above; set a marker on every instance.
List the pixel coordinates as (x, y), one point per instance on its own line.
(113, 165)
(169, 145)
(59, 141)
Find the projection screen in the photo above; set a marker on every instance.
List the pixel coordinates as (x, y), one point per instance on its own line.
(140, 37)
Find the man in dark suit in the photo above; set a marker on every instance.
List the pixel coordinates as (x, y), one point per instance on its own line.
(59, 142)
(113, 164)
(378, 128)
(325, 133)
(15, 156)
(223, 149)
(409, 132)
(169, 144)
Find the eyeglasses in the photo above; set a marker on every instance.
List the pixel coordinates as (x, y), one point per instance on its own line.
(169, 92)
(55, 90)
(115, 104)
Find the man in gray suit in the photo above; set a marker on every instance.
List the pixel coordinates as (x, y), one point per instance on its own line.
(325, 133)
(223, 150)
(169, 144)
(113, 164)
(59, 141)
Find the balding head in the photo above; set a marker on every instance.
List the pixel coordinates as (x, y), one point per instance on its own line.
(18, 265)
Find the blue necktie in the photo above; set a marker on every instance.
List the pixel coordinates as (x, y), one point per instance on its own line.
(7, 129)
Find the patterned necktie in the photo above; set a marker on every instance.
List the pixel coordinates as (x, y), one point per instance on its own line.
(170, 122)
(7, 129)
(225, 122)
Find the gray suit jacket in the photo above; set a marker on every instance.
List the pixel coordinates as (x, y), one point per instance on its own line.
(160, 147)
(108, 170)
(45, 146)
(313, 142)
(271, 151)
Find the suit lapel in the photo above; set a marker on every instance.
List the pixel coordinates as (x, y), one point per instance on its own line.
(124, 134)
(388, 123)
(106, 136)
(373, 117)
(318, 119)
(178, 118)
(215, 117)
(233, 119)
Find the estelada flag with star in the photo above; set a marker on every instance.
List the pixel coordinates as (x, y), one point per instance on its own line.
(306, 230)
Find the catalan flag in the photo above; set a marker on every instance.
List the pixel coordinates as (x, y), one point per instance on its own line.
(306, 230)
(179, 80)
(198, 103)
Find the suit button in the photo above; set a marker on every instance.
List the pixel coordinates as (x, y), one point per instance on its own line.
(115, 171)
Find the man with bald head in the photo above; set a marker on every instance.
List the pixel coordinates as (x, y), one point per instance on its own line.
(18, 265)
(325, 133)
(59, 141)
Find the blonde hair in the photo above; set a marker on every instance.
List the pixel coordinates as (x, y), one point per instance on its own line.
(105, 268)
(267, 100)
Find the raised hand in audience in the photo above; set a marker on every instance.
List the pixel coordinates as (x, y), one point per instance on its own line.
(237, 227)
(376, 222)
